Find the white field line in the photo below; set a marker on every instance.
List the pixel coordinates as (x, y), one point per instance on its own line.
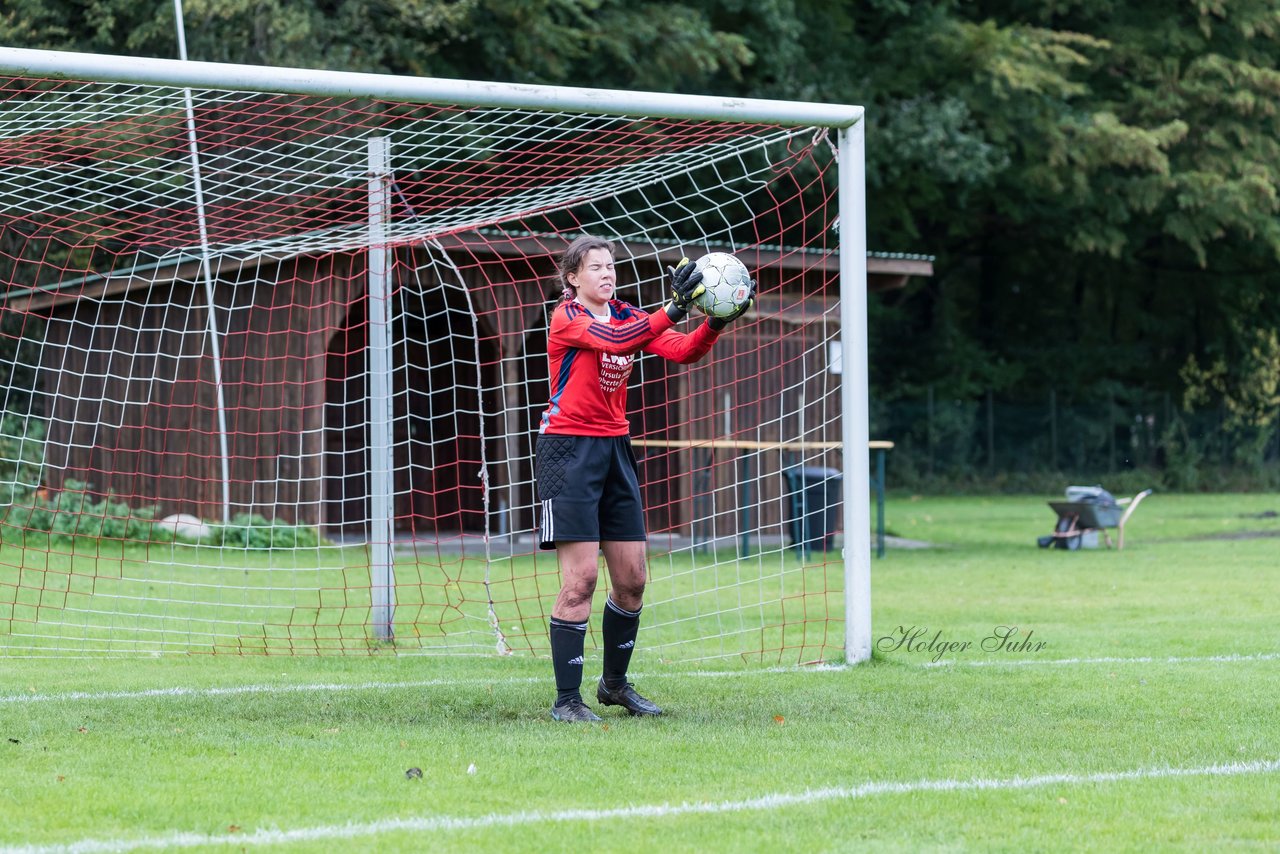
(1062, 662)
(235, 690)
(336, 687)
(763, 803)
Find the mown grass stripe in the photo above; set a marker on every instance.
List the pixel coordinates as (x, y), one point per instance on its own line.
(234, 690)
(320, 687)
(775, 801)
(1150, 659)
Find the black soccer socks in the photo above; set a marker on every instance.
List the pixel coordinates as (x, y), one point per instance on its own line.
(567, 641)
(618, 631)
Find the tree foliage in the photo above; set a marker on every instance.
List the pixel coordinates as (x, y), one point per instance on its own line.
(1098, 180)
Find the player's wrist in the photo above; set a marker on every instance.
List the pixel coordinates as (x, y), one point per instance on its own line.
(685, 282)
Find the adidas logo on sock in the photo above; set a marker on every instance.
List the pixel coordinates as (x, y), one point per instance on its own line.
(627, 645)
(577, 660)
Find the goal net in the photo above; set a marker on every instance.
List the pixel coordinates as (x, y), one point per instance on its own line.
(273, 365)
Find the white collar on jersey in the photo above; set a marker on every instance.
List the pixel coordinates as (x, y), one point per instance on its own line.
(603, 318)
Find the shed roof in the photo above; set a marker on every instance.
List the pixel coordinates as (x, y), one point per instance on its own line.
(885, 270)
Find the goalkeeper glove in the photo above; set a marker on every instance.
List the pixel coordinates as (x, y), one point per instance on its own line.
(686, 285)
(719, 323)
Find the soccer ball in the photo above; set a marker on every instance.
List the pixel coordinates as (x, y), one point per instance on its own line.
(727, 283)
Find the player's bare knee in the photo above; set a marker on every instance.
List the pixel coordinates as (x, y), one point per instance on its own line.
(578, 590)
(629, 594)
(577, 597)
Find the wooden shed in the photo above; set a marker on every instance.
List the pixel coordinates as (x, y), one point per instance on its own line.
(138, 406)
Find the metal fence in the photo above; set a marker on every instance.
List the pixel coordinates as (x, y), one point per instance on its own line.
(941, 436)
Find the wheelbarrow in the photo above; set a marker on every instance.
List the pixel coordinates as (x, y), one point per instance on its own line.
(1088, 512)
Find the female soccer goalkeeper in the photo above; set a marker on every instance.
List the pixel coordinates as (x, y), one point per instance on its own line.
(586, 471)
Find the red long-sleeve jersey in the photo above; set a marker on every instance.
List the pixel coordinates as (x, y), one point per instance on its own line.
(591, 361)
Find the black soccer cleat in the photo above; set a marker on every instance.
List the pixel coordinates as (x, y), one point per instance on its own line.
(573, 711)
(626, 696)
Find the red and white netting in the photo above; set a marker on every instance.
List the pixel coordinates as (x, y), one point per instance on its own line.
(186, 444)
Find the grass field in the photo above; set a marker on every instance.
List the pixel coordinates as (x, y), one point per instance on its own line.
(1137, 712)
(91, 597)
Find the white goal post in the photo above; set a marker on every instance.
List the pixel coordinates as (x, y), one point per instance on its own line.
(94, 202)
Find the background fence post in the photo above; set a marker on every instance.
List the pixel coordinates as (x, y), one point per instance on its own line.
(1111, 432)
(1053, 429)
(930, 436)
(1220, 434)
(991, 431)
(1275, 434)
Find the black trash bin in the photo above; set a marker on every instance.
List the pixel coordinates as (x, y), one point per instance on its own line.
(815, 495)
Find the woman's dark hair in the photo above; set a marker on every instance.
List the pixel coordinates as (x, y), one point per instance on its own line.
(572, 258)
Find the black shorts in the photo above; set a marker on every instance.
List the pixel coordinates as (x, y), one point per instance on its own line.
(588, 490)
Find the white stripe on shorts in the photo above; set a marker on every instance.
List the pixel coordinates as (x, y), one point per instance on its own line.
(548, 522)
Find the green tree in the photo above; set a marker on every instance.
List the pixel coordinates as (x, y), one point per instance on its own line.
(656, 45)
(1099, 181)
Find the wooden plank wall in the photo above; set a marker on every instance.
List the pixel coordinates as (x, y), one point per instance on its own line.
(773, 382)
(133, 402)
(133, 410)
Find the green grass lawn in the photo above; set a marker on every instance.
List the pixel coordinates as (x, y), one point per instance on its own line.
(94, 598)
(1146, 720)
